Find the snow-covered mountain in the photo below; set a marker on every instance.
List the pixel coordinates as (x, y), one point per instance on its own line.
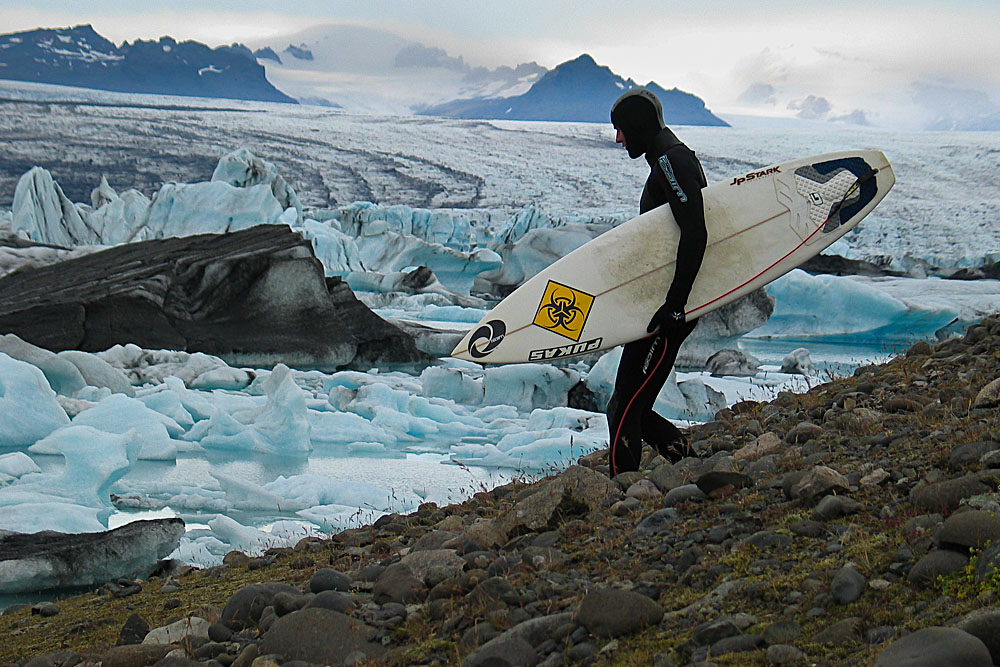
(373, 70)
(577, 90)
(80, 57)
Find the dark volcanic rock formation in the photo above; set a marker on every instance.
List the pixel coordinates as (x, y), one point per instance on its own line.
(252, 297)
(41, 561)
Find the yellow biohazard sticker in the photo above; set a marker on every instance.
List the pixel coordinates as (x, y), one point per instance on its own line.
(563, 310)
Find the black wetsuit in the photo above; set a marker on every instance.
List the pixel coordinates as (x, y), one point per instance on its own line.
(676, 178)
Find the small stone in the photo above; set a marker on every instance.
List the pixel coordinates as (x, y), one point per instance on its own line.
(874, 478)
(713, 481)
(834, 507)
(133, 631)
(848, 585)
(935, 564)
(782, 632)
(819, 481)
(657, 522)
(840, 632)
(946, 496)
(643, 489)
(682, 494)
(710, 632)
(328, 579)
(967, 530)
(765, 445)
(737, 644)
(783, 654)
(608, 612)
(988, 396)
(45, 609)
(191, 626)
(803, 432)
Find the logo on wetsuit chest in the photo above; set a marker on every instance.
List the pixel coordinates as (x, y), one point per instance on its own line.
(563, 310)
(754, 175)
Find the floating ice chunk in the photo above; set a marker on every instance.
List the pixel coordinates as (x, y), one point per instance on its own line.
(206, 550)
(168, 403)
(672, 402)
(445, 228)
(387, 252)
(528, 218)
(281, 426)
(535, 251)
(29, 410)
(311, 490)
(62, 376)
(43, 213)
(335, 518)
(840, 308)
(247, 496)
(552, 440)
(702, 400)
(243, 169)
(31, 515)
(528, 386)
(208, 208)
(197, 370)
(97, 372)
(119, 414)
(452, 383)
(337, 251)
(798, 361)
(78, 496)
(347, 428)
(243, 538)
(114, 218)
(16, 464)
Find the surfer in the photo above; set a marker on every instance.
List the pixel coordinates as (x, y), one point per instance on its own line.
(675, 178)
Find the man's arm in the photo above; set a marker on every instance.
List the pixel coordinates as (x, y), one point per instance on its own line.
(683, 180)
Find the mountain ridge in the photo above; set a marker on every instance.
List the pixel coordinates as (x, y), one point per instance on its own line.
(79, 56)
(576, 90)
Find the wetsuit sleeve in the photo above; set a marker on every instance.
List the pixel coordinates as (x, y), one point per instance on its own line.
(681, 177)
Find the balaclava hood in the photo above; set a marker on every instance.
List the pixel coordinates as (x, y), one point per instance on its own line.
(638, 114)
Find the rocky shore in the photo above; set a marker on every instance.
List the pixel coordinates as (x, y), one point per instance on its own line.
(853, 524)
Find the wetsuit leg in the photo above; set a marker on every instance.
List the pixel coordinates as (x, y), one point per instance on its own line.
(644, 368)
(658, 431)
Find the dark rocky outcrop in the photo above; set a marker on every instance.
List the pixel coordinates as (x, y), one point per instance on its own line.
(40, 561)
(254, 296)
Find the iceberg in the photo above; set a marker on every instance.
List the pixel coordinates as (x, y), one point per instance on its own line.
(29, 410)
(840, 309)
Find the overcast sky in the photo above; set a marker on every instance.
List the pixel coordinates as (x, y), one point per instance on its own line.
(857, 55)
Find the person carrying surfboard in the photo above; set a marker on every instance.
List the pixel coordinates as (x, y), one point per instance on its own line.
(675, 178)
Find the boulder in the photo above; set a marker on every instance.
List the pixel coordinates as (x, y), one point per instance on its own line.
(39, 561)
(321, 636)
(253, 297)
(935, 646)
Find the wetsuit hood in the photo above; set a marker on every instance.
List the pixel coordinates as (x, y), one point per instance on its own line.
(638, 114)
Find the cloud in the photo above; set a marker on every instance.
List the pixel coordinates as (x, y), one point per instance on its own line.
(758, 94)
(812, 107)
(952, 108)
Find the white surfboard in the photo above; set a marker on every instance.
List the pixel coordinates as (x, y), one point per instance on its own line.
(761, 225)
